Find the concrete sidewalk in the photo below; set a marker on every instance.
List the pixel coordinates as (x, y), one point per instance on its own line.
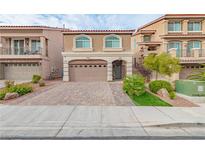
(98, 122)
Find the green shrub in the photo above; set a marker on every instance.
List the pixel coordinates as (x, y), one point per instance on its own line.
(172, 95)
(9, 83)
(156, 85)
(41, 83)
(134, 85)
(36, 78)
(21, 89)
(3, 94)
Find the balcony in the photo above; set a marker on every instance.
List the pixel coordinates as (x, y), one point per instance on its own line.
(189, 56)
(8, 54)
(20, 51)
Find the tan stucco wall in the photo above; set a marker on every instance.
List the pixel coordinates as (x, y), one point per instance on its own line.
(97, 42)
(55, 48)
(1, 71)
(160, 30)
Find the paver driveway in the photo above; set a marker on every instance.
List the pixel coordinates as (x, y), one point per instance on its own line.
(78, 93)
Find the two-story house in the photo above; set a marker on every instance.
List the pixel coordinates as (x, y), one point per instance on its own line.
(97, 55)
(183, 35)
(28, 50)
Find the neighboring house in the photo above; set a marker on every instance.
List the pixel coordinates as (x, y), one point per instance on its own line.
(97, 55)
(28, 50)
(183, 35)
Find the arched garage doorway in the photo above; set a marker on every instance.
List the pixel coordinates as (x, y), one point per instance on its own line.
(119, 69)
(88, 70)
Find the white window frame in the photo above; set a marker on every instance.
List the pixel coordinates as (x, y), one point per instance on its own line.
(82, 49)
(193, 25)
(112, 49)
(12, 43)
(192, 41)
(30, 43)
(174, 22)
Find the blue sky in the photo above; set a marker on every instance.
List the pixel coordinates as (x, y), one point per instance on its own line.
(80, 21)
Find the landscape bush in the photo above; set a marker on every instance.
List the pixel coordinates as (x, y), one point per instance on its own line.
(36, 78)
(21, 89)
(172, 95)
(3, 93)
(156, 85)
(134, 85)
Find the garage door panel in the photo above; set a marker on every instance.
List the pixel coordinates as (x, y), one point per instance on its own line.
(88, 72)
(20, 71)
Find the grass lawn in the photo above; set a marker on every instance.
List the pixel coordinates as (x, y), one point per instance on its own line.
(148, 99)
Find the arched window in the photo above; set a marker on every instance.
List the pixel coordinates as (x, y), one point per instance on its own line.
(176, 45)
(113, 41)
(194, 45)
(83, 42)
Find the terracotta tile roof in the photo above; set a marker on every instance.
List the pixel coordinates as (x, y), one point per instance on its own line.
(97, 31)
(28, 27)
(186, 15)
(146, 32)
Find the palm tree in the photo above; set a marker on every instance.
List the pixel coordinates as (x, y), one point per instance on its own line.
(199, 75)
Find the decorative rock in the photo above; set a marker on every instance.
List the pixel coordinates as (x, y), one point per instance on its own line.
(11, 96)
(41, 83)
(163, 93)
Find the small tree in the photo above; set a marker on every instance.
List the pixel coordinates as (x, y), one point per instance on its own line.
(142, 70)
(199, 75)
(163, 64)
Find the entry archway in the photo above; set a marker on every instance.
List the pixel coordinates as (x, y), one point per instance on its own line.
(118, 69)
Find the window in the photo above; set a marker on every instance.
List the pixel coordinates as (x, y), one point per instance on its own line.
(18, 46)
(176, 45)
(112, 42)
(174, 26)
(194, 26)
(194, 44)
(82, 42)
(147, 38)
(35, 46)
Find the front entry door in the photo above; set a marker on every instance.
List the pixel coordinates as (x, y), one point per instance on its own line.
(117, 70)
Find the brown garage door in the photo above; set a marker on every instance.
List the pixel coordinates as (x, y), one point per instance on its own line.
(88, 70)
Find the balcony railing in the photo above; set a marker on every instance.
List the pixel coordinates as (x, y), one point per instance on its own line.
(20, 51)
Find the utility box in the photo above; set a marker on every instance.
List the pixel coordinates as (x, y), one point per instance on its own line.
(190, 87)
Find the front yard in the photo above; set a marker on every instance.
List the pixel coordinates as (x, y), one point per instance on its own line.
(156, 93)
(148, 99)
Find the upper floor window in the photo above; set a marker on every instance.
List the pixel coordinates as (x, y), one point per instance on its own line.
(112, 42)
(147, 38)
(175, 45)
(83, 42)
(194, 26)
(35, 46)
(174, 26)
